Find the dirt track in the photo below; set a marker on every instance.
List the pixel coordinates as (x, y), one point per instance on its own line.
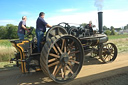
(92, 73)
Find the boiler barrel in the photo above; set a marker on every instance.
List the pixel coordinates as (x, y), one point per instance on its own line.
(94, 41)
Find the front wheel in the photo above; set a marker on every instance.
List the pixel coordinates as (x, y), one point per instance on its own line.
(108, 52)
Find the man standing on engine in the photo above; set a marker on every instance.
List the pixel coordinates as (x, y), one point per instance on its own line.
(41, 28)
(90, 26)
(22, 28)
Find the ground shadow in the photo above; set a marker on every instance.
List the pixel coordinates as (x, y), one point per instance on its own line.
(107, 75)
(89, 60)
(8, 67)
(39, 78)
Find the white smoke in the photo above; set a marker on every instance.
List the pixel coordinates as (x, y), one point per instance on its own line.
(99, 4)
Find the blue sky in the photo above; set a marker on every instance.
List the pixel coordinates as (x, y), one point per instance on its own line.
(115, 12)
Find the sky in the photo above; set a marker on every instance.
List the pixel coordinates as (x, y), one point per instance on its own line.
(115, 12)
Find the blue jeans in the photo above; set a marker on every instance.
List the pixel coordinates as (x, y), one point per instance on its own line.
(21, 36)
(39, 35)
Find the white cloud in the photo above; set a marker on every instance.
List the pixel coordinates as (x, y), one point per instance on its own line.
(68, 10)
(77, 18)
(4, 22)
(25, 13)
(31, 22)
(116, 18)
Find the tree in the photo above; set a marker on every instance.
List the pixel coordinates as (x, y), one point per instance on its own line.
(105, 28)
(113, 32)
(126, 27)
(83, 24)
(118, 29)
(11, 31)
(107, 32)
(111, 28)
(3, 32)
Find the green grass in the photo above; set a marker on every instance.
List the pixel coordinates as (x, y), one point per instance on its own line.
(118, 36)
(121, 41)
(6, 50)
(5, 43)
(6, 64)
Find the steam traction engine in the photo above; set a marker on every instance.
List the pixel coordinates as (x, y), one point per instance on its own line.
(63, 51)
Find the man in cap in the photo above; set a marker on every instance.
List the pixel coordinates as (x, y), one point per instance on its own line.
(22, 28)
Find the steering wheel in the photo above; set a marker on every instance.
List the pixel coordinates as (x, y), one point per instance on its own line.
(30, 31)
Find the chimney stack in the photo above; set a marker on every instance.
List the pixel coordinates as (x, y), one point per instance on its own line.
(100, 22)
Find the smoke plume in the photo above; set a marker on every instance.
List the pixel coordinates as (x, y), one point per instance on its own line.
(99, 4)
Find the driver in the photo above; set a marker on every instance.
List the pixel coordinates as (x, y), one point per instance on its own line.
(90, 26)
(41, 28)
(22, 28)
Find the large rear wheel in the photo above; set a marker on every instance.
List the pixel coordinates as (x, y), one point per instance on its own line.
(62, 58)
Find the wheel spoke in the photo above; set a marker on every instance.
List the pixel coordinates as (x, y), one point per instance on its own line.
(54, 70)
(74, 52)
(109, 57)
(54, 55)
(58, 31)
(62, 72)
(69, 64)
(71, 45)
(58, 69)
(58, 48)
(51, 34)
(110, 47)
(65, 49)
(55, 63)
(51, 60)
(63, 42)
(55, 50)
(69, 69)
(75, 61)
(105, 57)
(69, 52)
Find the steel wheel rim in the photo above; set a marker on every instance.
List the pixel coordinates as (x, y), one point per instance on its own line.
(73, 31)
(65, 25)
(65, 68)
(54, 31)
(108, 52)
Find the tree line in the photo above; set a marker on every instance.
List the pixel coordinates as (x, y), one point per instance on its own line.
(9, 31)
(111, 30)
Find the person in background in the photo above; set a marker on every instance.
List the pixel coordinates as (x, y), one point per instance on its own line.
(22, 28)
(41, 28)
(90, 26)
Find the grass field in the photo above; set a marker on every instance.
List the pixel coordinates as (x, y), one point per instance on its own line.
(6, 50)
(121, 41)
(118, 36)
